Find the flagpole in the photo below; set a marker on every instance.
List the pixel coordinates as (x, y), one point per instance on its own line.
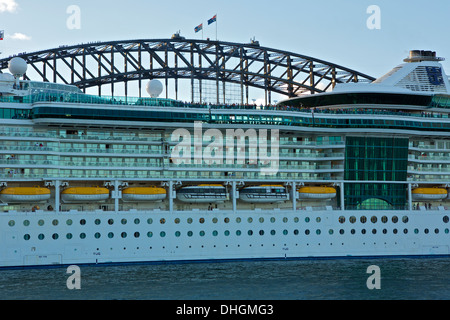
(216, 28)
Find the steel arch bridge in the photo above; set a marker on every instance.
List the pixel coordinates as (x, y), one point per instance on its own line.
(246, 65)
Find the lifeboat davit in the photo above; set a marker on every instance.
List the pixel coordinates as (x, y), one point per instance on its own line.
(205, 193)
(264, 194)
(85, 194)
(143, 194)
(317, 193)
(22, 194)
(429, 194)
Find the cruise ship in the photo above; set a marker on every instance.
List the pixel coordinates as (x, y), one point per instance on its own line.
(362, 171)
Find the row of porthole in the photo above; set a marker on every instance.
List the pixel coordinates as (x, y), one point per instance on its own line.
(137, 221)
(227, 233)
(374, 219)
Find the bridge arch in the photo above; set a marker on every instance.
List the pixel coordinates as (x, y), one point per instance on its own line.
(246, 66)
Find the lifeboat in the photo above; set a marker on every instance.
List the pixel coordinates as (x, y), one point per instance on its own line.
(264, 194)
(142, 194)
(19, 195)
(316, 193)
(85, 194)
(205, 193)
(429, 194)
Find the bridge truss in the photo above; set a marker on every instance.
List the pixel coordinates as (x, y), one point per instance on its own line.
(108, 64)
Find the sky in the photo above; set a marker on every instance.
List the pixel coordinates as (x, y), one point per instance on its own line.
(331, 30)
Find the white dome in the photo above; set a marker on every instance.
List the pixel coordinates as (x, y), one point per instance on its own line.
(17, 66)
(154, 88)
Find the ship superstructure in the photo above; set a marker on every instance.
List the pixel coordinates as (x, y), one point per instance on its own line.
(360, 171)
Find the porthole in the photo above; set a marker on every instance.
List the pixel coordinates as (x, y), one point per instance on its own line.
(110, 222)
(215, 220)
(41, 223)
(11, 223)
(445, 219)
(341, 219)
(26, 237)
(296, 232)
(149, 221)
(177, 221)
(123, 235)
(384, 219)
(190, 233)
(97, 222)
(272, 220)
(41, 237)
(202, 233)
(189, 220)
(416, 231)
(261, 232)
(261, 220)
(201, 220)
(97, 235)
(149, 234)
(307, 232)
(55, 222)
(26, 223)
(330, 232)
(227, 220)
(405, 219)
(436, 230)
(285, 232)
(83, 222)
(405, 231)
(395, 231)
(363, 231)
(285, 220)
(177, 234)
(238, 220)
(110, 235)
(352, 219)
(341, 231)
(162, 234)
(307, 219)
(137, 234)
(374, 219)
(69, 222)
(226, 233)
(296, 219)
(250, 220)
(363, 219)
(55, 236)
(124, 221)
(318, 232)
(215, 233)
(374, 231)
(250, 232)
(238, 232)
(273, 232)
(162, 221)
(137, 221)
(69, 236)
(426, 231)
(318, 219)
(82, 235)
(394, 219)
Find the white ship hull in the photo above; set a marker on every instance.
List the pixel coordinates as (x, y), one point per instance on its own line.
(31, 239)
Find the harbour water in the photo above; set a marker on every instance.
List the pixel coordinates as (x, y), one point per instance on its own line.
(344, 279)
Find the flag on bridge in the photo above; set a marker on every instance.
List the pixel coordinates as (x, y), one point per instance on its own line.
(199, 28)
(212, 20)
(2, 34)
